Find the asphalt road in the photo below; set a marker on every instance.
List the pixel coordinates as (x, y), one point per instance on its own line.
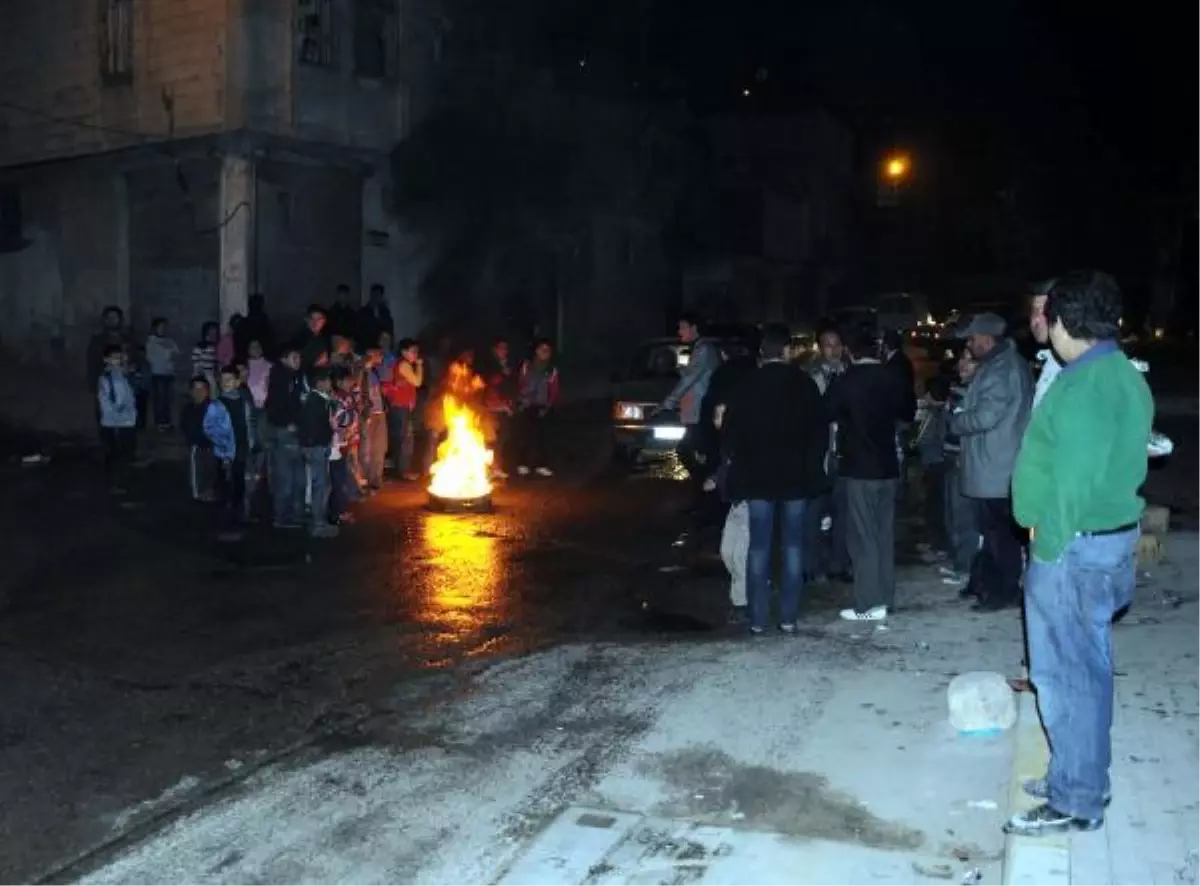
(139, 651)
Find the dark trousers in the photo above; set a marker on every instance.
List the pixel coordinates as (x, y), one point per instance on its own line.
(162, 392)
(933, 482)
(962, 529)
(996, 569)
(529, 438)
(825, 552)
(502, 445)
(871, 538)
(120, 448)
(340, 478)
(400, 438)
(231, 491)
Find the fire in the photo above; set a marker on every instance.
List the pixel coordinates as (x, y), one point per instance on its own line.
(464, 462)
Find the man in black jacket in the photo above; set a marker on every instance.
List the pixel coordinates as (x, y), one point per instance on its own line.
(776, 431)
(867, 401)
(285, 389)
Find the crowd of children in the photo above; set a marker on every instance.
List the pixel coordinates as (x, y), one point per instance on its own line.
(304, 436)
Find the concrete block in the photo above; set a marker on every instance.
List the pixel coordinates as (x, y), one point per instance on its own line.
(981, 701)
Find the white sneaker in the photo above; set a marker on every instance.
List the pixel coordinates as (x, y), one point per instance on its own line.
(523, 471)
(545, 472)
(875, 613)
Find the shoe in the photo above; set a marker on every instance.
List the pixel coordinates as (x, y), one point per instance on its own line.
(756, 631)
(993, 605)
(1045, 819)
(544, 472)
(499, 474)
(324, 532)
(968, 593)
(738, 615)
(843, 577)
(523, 471)
(788, 628)
(286, 524)
(1039, 788)
(875, 613)
(949, 571)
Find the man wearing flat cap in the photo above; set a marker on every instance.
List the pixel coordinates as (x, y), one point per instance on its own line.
(990, 424)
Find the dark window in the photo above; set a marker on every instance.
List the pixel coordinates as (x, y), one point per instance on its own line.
(317, 34)
(116, 41)
(376, 32)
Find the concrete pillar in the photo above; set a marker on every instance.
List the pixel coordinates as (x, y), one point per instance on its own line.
(236, 217)
(122, 297)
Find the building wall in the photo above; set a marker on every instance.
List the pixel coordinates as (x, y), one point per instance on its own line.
(173, 245)
(309, 236)
(52, 292)
(50, 63)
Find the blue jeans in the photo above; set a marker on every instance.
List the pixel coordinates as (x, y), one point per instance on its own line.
(1069, 606)
(287, 476)
(316, 460)
(758, 559)
(399, 433)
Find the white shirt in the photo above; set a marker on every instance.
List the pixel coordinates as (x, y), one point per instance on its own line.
(1050, 370)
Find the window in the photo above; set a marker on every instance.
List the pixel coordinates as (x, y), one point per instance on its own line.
(317, 36)
(116, 41)
(376, 33)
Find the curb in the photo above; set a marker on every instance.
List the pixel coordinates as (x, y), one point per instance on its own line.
(1032, 860)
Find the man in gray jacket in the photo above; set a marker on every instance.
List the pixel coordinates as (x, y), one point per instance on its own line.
(990, 424)
(688, 396)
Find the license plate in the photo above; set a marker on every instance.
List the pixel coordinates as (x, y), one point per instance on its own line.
(668, 433)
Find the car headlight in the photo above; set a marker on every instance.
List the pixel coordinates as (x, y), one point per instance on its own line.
(629, 412)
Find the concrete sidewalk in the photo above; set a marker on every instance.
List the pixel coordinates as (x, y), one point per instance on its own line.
(1152, 830)
(825, 757)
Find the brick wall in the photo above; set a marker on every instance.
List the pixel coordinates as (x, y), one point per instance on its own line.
(50, 62)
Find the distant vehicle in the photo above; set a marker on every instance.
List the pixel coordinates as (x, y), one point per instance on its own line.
(638, 427)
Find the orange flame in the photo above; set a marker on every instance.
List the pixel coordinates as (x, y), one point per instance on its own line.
(464, 462)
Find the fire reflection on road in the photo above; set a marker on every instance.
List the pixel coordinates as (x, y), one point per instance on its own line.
(467, 571)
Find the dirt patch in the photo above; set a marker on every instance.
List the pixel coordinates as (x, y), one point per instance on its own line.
(710, 785)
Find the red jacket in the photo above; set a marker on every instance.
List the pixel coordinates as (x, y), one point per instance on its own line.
(399, 392)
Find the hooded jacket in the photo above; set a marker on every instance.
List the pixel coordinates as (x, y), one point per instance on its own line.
(991, 422)
(285, 388)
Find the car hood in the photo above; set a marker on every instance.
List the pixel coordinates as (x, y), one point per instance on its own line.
(653, 390)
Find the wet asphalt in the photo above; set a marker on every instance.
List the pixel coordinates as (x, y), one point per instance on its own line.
(139, 650)
(143, 658)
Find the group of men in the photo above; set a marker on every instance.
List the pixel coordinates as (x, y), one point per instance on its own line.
(1053, 471)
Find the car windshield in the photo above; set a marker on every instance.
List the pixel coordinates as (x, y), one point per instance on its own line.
(657, 360)
(664, 359)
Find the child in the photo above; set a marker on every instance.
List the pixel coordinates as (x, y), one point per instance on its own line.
(316, 445)
(161, 353)
(401, 394)
(236, 486)
(537, 393)
(500, 400)
(375, 432)
(201, 462)
(346, 412)
(286, 387)
(204, 354)
(138, 372)
(118, 417)
(258, 378)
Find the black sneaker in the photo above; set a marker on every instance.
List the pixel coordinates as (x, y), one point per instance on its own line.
(738, 615)
(756, 631)
(1045, 819)
(993, 605)
(788, 628)
(1040, 789)
(968, 593)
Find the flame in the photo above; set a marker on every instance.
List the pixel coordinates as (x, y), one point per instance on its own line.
(464, 462)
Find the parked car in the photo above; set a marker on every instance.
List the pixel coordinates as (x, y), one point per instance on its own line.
(639, 426)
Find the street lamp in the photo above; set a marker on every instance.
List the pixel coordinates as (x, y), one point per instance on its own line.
(896, 167)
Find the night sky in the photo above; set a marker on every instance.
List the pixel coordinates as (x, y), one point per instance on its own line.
(1087, 115)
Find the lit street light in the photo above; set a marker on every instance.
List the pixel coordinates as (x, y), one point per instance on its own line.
(897, 167)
